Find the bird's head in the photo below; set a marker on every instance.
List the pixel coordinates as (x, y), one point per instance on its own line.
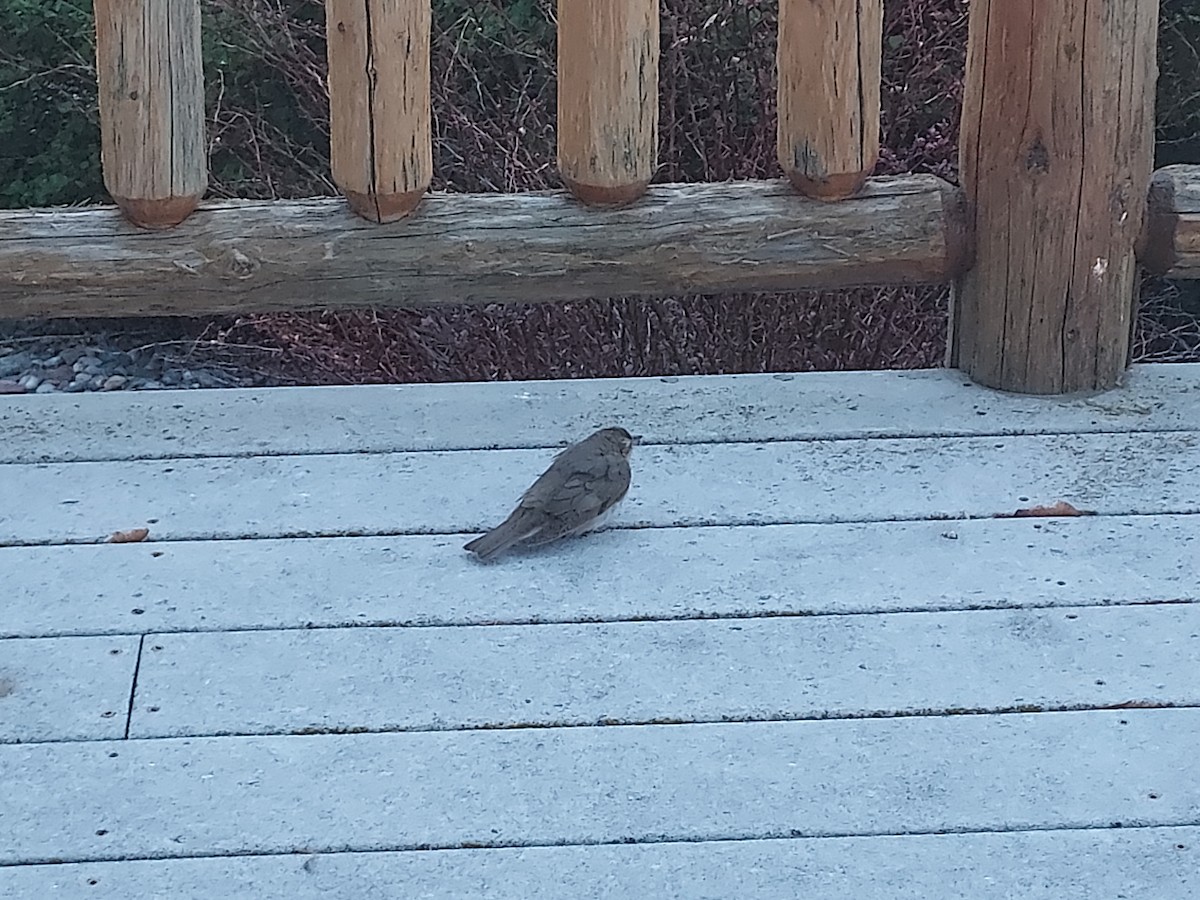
(618, 438)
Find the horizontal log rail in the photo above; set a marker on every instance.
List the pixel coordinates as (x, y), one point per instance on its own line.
(1171, 243)
(243, 256)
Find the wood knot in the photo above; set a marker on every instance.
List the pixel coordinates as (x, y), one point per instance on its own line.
(239, 265)
(1037, 159)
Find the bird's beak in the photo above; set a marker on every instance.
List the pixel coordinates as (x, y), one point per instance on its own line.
(637, 438)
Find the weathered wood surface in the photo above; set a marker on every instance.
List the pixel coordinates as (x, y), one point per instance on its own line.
(151, 91)
(793, 570)
(829, 61)
(334, 582)
(691, 485)
(513, 415)
(592, 785)
(632, 673)
(1171, 241)
(1057, 189)
(1133, 863)
(239, 256)
(380, 119)
(65, 689)
(607, 98)
(1023, 684)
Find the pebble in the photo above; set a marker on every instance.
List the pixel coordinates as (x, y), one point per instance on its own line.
(60, 374)
(75, 365)
(13, 364)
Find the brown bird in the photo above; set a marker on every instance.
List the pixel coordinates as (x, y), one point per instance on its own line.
(585, 481)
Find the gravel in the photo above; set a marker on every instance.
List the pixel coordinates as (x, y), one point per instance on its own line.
(43, 358)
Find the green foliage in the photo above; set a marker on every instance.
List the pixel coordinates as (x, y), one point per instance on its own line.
(49, 136)
(522, 27)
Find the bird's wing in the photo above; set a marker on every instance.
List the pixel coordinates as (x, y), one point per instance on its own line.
(580, 496)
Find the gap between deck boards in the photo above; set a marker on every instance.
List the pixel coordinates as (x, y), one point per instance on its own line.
(1024, 709)
(714, 838)
(949, 435)
(534, 622)
(761, 522)
(137, 668)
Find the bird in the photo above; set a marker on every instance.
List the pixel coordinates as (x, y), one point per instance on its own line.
(584, 482)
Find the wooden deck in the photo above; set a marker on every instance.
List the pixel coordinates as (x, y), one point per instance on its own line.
(808, 661)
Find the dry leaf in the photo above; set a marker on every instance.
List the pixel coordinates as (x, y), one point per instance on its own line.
(1061, 508)
(133, 536)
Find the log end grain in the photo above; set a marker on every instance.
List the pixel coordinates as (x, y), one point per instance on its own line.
(608, 196)
(831, 187)
(158, 214)
(383, 208)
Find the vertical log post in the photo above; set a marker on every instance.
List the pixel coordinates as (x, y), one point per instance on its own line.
(829, 60)
(1057, 144)
(151, 90)
(607, 98)
(381, 140)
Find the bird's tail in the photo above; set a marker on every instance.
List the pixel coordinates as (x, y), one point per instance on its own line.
(516, 528)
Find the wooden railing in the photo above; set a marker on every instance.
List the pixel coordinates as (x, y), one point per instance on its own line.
(1041, 241)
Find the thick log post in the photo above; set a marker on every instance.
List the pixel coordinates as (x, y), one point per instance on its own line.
(1171, 240)
(607, 98)
(151, 89)
(829, 59)
(1057, 146)
(381, 140)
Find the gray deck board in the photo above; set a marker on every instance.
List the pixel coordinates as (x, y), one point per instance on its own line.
(66, 689)
(808, 642)
(773, 570)
(384, 418)
(706, 484)
(613, 784)
(272, 682)
(1132, 864)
